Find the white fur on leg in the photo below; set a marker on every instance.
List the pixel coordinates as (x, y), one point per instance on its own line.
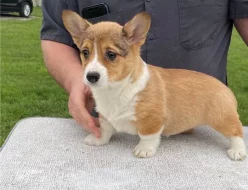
(237, 150)
(107, 131)
(148, 145)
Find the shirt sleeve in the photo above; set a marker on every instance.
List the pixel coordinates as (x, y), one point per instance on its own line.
(52, 25)
(238, 9)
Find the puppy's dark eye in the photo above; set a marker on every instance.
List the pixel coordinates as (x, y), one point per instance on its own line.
(111, 55)
(86, 53)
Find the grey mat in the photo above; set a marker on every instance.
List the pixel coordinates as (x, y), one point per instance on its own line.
(48, 153)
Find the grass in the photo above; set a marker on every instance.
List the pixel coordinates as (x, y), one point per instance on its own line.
(37, 12)
(27, 89)
(238, 74)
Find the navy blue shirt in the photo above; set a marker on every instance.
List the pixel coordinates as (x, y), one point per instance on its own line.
(186, 34)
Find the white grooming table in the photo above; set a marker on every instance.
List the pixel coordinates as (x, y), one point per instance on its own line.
(49, 153)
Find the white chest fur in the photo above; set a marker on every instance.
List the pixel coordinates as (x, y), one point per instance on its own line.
(117, 102)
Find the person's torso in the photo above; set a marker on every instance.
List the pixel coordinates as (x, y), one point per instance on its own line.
(187, 34)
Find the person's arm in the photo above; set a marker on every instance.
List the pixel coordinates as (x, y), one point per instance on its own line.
(61, 59)
(242, 27)
(238, 12)
(63, 63)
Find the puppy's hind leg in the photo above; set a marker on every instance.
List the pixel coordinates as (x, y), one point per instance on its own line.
(232, 128)
(237, 150)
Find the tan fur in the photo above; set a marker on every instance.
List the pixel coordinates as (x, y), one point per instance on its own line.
(106, 37)
(189, 99)
(151, 106)
(175, 99)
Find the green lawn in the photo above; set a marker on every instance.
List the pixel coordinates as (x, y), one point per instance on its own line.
(27, 90)
(37, 12)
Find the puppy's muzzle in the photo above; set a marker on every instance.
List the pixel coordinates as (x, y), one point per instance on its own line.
(93, 77)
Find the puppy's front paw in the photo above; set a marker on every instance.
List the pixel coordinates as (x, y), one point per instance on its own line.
(237, 154)
(94, 141)
(142, 151)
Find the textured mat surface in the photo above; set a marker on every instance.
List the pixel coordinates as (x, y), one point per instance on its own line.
(48, 153)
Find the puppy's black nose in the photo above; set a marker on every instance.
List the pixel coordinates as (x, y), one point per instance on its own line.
(93, 77)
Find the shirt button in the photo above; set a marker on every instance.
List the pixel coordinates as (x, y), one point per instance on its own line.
(151, 36)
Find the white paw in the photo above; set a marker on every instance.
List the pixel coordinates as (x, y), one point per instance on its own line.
(237, 154)
(94, 141)
(141, 151)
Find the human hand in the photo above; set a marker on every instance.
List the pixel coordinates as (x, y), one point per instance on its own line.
(80, 105)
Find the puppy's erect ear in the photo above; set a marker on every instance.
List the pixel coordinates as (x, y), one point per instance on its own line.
(135, 30)
(75, 25)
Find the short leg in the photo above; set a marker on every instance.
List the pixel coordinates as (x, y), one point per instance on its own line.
(233, 129)
(107, 130)
(148, 145)
(237, 150)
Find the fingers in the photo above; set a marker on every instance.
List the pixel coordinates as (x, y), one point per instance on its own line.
(83, 118)
(95, 128)
(78, 111)
(89, 103)
(89, 122)
(96, 121)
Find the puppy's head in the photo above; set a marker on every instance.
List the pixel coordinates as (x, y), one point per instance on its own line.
(109, 52)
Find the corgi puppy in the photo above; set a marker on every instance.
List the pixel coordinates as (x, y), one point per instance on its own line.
(140, 99)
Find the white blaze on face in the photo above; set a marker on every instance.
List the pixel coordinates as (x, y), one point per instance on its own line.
(96, 66)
